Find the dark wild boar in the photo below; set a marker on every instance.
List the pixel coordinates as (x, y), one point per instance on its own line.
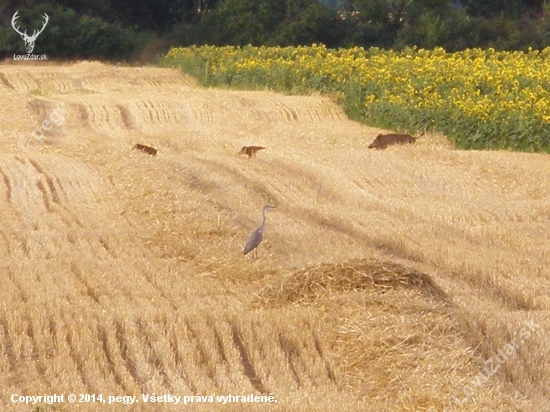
(250, 150)
(146, 149)
(384, 140)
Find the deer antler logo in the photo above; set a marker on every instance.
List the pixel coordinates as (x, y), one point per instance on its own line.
(29, 40)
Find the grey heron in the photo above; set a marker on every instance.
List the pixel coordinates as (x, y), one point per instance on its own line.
(257, 236)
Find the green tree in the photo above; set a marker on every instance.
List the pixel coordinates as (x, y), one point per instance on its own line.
(237, 22)
(69, 35)
(512, 8)
(257, 22)
(374, 22)
(315, 24)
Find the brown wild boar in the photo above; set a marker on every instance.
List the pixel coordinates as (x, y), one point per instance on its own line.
(146, 149)
(384, 140)
(250, 150)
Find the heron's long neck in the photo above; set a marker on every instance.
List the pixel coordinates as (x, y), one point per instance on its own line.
(263, 220)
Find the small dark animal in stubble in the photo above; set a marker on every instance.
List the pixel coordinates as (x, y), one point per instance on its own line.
(146, 149)
(384, 140)
(250, 150)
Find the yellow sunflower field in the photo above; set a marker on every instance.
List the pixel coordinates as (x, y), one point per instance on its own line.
(481, 99)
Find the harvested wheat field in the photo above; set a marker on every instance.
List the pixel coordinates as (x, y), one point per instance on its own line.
(408, 279)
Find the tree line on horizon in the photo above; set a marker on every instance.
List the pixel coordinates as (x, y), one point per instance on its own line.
(140, 30)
